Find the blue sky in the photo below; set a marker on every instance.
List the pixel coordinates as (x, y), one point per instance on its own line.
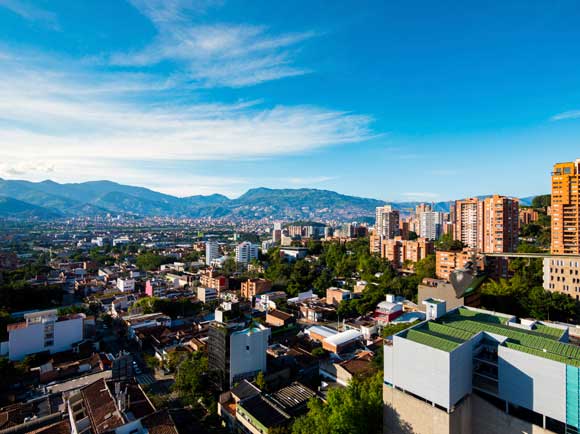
(396, 100)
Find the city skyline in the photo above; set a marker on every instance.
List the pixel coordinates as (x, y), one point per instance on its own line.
(218, 97)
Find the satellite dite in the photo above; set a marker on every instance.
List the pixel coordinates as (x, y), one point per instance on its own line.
(462, 278)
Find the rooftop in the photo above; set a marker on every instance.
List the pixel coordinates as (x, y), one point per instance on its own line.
(458, 326)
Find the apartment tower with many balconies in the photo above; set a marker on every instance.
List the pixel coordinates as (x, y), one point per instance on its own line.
(566, 208)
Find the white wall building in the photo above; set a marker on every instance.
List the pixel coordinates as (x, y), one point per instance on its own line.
(121, 240)
(212, 251)
(206, 294)
(248, 352)
(245, 252)
(44, 331)
(126, 285)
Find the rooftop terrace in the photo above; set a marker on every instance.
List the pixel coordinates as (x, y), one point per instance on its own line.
(462, 324)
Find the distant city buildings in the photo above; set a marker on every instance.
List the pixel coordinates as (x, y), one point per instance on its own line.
(246, 252)
(386, 222)
(431, 224)
(490, 225)
(212, 251)
(565, 208)
(277, 233)
(398, 251)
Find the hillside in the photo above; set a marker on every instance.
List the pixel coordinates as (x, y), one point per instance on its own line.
(48, 199)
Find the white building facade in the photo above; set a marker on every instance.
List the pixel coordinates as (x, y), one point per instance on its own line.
(245, 252)
(44, 331)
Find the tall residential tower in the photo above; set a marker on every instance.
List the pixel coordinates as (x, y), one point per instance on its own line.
(566, 208)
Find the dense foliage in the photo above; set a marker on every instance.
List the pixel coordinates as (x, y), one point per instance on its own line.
(17, 293)
(337, 263)
(523, 295)
(174, 308)
(355, 409)
(149, 261)
(542, 201)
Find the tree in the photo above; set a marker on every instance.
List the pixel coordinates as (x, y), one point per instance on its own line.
(152, 362)
(447, 243)
(425, 267)
(261, 381)
(355, 409)
(191, 380)
(542, 201)
(230, 266)
(318, 352)
(149, 261)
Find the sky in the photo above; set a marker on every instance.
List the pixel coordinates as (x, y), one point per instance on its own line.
(395, 100)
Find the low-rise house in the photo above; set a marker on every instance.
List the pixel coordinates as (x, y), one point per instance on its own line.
(248, 409)
(267, 301)
(278, 318)
(388, 310)
(138, 321)
(320, 333)
(334, 296)
(342, 341)
(126, 285)
(367, 326)
(344, 371)
(207, 295)
(315, 311)
(210, 280)
(115, 407)
(253, 287)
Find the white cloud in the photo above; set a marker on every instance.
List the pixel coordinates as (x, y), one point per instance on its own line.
(572, 114)
(31, 12)
(87, 118)
(221, 54)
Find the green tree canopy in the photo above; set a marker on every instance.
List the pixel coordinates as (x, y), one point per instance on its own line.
(355, 409)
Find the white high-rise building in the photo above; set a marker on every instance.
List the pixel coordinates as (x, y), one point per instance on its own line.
(245, 252)
(212, 251)
(431, 225)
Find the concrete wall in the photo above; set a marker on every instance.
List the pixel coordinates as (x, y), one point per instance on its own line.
(488, 419)
(405, 414)
(461, 371)
(248, 352)
(533, 382)
(421, 369)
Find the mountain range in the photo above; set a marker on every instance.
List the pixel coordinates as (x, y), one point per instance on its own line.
(50, 200)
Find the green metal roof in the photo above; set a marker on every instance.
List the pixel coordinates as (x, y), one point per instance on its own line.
(457, 327)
